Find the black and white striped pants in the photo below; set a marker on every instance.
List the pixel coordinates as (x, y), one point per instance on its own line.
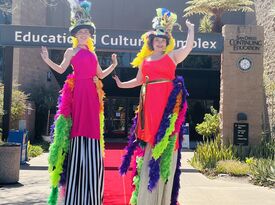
(85, 173)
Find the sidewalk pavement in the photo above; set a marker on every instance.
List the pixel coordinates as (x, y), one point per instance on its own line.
(33, 186)
(196, 189)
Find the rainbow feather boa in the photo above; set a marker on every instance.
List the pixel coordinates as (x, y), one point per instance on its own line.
(60, 132)
(165, 141)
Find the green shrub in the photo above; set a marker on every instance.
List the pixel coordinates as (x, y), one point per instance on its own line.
(266, 149)
(209, 153)
(34, 150)
(262, 171)
(232, 167)
(210, 125)
(18, 105)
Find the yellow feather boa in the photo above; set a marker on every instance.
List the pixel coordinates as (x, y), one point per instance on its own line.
(90, 44)
(145, 50)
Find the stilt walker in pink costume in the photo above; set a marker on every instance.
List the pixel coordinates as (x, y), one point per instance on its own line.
(75, 158)
(155, 139)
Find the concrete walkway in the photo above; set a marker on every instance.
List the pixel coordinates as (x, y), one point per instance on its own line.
(196, 189)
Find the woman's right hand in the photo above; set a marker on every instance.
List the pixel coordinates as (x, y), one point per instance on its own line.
(189, 25)
(44, 53)
(118, 82)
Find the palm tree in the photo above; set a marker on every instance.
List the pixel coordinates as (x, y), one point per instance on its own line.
(216, 8)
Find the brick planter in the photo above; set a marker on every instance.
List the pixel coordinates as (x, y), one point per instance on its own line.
(9, 163)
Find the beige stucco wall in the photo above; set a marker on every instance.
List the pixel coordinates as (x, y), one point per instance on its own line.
(265, 18)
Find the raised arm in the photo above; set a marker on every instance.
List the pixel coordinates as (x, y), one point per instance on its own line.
(178, 55)
(137, 81)
(103, 73)
(58, 68)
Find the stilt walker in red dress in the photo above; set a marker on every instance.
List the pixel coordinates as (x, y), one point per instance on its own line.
(155, 139)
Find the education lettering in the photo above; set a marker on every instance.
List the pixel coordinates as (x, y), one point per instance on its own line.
(37, 38)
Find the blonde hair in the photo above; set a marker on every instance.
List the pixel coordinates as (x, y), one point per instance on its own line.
(145, 51)
(90, 43)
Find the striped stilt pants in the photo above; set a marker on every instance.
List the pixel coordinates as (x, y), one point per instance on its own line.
(85, 173)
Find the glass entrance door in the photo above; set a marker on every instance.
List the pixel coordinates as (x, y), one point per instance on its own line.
(119, 112)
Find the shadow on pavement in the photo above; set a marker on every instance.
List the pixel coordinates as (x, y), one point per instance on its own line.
(27, 203)
(189, 170)
(28, 167)
(9, 186)
(187, 150)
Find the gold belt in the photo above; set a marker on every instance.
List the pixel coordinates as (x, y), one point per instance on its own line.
(143, 94)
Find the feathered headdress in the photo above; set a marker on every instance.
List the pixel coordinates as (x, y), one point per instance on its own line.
(164, 22)
(81, 16)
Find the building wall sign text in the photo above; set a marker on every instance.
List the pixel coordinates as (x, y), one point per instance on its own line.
(105, 39)
(246, 43)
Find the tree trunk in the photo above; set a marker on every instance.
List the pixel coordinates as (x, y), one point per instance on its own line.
(217, 27)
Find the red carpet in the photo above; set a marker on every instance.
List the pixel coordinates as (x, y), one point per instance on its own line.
(117, 189)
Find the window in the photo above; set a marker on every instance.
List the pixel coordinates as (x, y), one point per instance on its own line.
(194, 62)
(124, 59)
(5, 11)
(5, 18)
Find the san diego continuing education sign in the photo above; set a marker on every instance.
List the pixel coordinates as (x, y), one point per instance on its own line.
(246, 43)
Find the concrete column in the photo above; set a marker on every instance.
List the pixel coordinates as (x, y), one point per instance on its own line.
(242, 81)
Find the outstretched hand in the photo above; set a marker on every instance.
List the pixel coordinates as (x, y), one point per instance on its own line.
(44, 53)
(189, 25)
(114, 59)
(118, 82)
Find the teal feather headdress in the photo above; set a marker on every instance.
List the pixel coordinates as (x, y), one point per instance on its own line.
(81, 17)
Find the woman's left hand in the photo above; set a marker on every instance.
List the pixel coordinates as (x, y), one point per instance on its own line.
(95, 79)
(114, 59)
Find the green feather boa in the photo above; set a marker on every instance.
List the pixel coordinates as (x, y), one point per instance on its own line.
(136, 181)
(161, 146)
(58, 151)
(166, 159)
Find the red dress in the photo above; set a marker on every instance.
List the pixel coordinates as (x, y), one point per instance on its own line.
(156, 96)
